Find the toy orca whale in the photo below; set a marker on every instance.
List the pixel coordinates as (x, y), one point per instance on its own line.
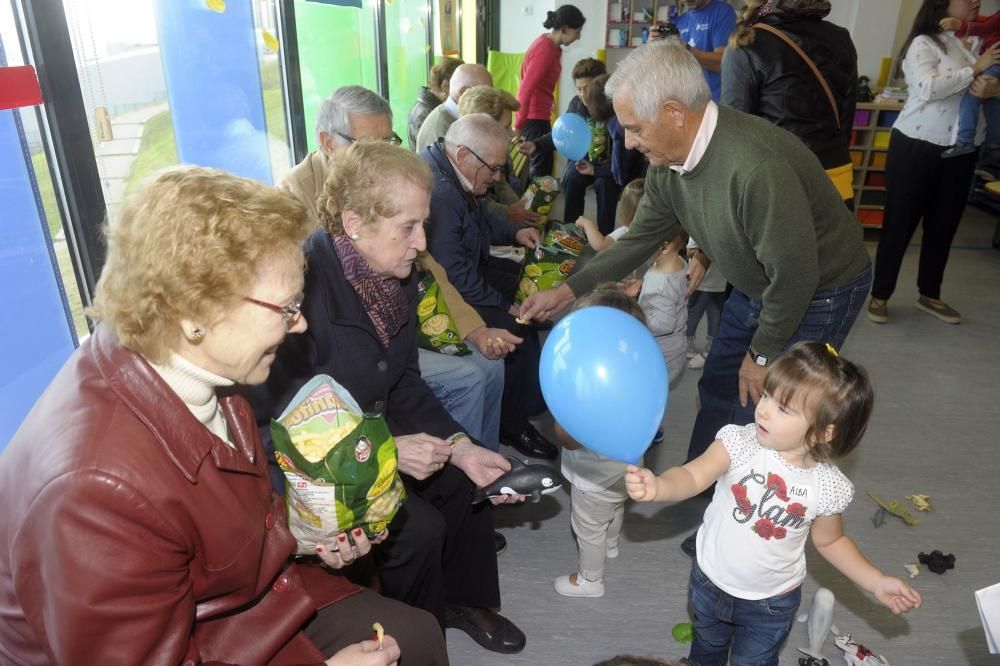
(522, 479)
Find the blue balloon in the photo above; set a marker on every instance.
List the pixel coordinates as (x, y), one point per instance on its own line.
(605, 381)
(571, 136)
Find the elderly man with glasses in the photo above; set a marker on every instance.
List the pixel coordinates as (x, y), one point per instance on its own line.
(465, 162)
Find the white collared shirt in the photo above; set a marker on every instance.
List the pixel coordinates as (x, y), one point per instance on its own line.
(708, 122)
(462, 180)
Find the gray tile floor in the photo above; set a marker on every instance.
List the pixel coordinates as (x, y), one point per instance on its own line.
(933, 432)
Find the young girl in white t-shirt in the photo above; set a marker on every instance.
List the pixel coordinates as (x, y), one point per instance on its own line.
(775, 486)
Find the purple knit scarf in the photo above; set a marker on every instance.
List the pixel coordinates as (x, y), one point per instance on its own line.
(381, 297)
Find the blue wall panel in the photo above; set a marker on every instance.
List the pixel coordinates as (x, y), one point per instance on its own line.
(36, 335)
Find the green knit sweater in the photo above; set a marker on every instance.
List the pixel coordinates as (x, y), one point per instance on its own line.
(761, 207)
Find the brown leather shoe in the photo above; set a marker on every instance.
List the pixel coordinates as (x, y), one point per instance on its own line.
(491, 630)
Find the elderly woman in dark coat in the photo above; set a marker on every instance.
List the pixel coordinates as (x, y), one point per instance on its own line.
(361, 298)
(139, 524)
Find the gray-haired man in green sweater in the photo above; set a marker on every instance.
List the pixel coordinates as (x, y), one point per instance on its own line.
(757, 202)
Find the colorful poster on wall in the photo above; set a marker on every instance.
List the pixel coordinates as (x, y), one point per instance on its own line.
(448, 23)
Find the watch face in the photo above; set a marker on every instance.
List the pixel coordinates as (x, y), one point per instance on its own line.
(760, 360)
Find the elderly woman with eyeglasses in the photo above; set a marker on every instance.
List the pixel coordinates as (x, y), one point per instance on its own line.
(361, 302)
(139, 524)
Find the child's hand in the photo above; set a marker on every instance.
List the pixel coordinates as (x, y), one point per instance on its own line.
(585, 223)
(640, 484)
(950, 24)
(893, 592)
(584, 167)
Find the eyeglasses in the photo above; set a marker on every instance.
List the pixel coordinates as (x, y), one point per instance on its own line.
(290, 313)
(392, 138)
(496, 169)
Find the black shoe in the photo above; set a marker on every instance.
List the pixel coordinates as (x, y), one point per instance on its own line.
(690, 545)
(491, 630)
(500, 541)
(531, 443)
(959, 149)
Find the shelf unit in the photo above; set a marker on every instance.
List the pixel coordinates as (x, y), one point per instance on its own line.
(869, 149)
(626, 24)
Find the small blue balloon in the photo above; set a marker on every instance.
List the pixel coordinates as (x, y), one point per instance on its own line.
(571, 136)
(605, 381)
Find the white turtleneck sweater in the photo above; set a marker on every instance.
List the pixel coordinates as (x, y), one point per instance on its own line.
(196, 387)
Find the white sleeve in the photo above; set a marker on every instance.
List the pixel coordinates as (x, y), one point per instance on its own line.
(740, 442)
(836, 491)
(922, 70)
(618, 233)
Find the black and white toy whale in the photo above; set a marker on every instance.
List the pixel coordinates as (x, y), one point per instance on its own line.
(522, 479)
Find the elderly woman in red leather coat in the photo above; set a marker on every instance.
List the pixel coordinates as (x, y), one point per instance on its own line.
(139, 523)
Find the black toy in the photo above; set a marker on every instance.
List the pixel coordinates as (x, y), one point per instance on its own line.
(937, 561)
(531, 480)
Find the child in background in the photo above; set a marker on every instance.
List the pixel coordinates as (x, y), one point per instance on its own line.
(662, 294)
(707, 300)
(968, 111)
(627, 205)
(776, 485)
(598, 485)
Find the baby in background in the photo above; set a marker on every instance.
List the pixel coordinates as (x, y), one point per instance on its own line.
(598, 485)
(776, 486)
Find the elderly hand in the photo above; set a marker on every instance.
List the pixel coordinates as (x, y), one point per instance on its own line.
(585, 167)
(421, 455)
(517, 213)
(367, 653)
(985, 87)
(527, 148)
(529, 237)
(751, 380)
(482, 466)
(493, 343)
(346, 549)
(541, 305)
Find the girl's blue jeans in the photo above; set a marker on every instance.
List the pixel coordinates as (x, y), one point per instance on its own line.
(753, 631)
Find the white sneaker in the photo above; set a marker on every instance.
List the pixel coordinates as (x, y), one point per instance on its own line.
(692, 351)
(582, 587)
(697, 363)
(612, 551)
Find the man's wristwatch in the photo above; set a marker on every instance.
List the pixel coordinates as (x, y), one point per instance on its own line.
(759, 359)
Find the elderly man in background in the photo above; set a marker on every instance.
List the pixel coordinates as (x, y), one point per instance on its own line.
(757, 201)
(431, 96)
(437, 122)
(470, 387)
(465, 161)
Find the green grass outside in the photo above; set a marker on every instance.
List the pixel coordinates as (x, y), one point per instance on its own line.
(157, 150)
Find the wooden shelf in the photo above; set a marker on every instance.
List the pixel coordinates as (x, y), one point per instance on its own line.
(872, 125)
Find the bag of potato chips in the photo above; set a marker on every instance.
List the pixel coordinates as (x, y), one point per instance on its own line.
(551, 262)
(436, 329)
(340, 465)
(540, 194)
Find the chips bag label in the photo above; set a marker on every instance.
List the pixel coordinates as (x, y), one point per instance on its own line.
(540, 194)
(436, 328)
(552, 261)
(340, 466)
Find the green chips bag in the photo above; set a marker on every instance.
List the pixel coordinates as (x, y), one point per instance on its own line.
(436, 329)
(552, 261)
(540, 194)
(340, 465)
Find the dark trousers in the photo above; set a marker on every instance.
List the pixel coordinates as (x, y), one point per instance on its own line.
(522, 392)
(440, 548)
(606, 190)
(920, 185)
(541, 160)
(350, 621)
(828, 319)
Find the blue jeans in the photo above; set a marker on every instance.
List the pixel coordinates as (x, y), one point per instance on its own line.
(470, 388)
(708, 303)
(606, 191)
(828, 319)
(755, 630)
(968, 115)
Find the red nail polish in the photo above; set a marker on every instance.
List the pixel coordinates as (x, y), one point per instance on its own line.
(357, 532)
(319, 549)
(341, 537)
